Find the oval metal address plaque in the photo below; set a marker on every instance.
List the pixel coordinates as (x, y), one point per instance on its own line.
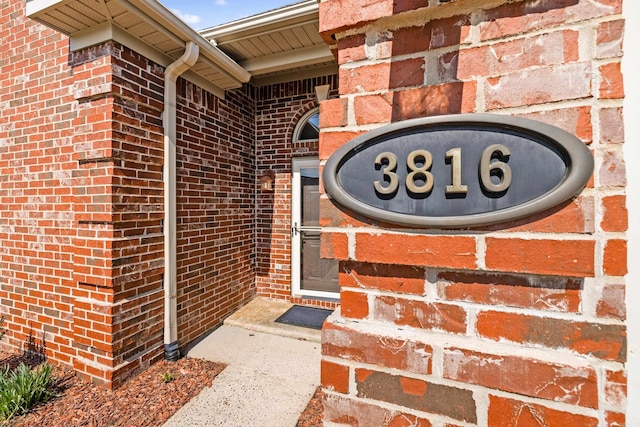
(458, 171)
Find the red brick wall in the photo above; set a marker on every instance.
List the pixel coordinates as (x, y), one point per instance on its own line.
(81, 202)
(513, 324)
(37, 111)
(279, 108)
(98, 298)
(216, 185)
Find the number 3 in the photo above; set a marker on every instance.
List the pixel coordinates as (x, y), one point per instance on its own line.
(388, 172)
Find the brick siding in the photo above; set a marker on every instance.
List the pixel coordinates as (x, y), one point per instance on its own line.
(513, 324)
(81, 199)
(279, 108)
(81, 202)
(216, 185)
(37, 114)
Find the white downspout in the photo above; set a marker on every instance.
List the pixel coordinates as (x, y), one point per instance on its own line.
(182, 64)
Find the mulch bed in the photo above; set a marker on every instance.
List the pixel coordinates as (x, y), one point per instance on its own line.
(144, 400)
(312, 415)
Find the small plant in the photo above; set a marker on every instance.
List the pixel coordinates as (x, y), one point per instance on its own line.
(23, 388)
(167, 377)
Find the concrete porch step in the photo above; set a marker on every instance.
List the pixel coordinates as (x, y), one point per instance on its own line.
(260, 315)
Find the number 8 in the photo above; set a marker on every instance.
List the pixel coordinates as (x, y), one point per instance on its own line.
(416, 171)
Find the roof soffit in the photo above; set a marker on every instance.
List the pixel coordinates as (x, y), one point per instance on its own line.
(277, 42)
(141, 25)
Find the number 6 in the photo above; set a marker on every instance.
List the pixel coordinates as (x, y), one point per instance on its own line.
(488, 168)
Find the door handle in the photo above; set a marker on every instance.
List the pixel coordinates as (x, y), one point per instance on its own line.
(295, 230)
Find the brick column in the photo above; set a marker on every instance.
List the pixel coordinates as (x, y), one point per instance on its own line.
(504, 325)
(117, 312)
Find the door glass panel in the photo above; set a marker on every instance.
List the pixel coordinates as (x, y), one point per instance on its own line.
(310, 197)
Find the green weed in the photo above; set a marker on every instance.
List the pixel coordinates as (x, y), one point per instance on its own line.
(23, 388)
(167, 377)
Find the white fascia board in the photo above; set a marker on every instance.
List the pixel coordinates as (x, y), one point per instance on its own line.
(35, 7)
(157, 15)
(308, 73)
(288, 60)
(262, 31)
(270, 18)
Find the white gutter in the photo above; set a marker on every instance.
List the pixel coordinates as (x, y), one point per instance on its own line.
(272, 19)
(166, 19)
(182, 64)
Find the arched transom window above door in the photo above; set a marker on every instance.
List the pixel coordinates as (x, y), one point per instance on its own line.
(308, 128)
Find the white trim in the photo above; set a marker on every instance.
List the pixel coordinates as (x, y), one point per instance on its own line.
(630, 68)
(296, 291)
(334, 296)
(159, 17)
(260, 31)
(296, 166)
(287, 60)
(307, 73)
(302, 16)
(174, 25)
(34, 6)
(110, 31)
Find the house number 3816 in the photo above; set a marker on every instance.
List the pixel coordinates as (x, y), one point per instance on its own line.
(493, 162)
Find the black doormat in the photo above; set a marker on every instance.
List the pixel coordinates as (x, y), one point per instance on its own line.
(307, 317)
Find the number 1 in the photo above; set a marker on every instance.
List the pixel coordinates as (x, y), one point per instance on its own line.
(455, 154)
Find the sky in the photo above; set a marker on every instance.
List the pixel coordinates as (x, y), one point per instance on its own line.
(200, 14)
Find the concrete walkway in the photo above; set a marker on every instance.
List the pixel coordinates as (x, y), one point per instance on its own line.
(268, 380)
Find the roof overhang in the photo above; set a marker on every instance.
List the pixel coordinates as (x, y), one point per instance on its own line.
(276, 46)
(145, 26)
